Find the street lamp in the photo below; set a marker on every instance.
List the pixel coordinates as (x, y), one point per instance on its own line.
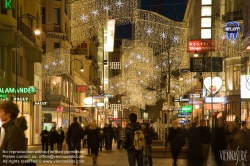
(36, 32)
(81, 70)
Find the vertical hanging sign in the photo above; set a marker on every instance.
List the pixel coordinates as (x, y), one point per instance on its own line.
(109, 46)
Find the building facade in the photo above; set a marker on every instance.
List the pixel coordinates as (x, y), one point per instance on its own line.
(20, 55)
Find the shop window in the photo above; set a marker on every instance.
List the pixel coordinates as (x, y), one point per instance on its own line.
(56, 16)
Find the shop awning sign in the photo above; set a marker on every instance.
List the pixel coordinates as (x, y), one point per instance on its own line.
(42, 103)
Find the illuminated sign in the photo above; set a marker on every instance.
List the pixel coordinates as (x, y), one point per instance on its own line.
(109, 45)
(216, 84)
(215, 100)
(3, 96)
(232, 29)
(20, 99)
(59, 109)
(183, 114)
(8, 4)
(200, 46)
(245, 86)
(81, 88)
(42, 103)
(23, 90)
(186, 108)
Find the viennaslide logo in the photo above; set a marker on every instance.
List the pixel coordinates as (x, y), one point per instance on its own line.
(230, 155)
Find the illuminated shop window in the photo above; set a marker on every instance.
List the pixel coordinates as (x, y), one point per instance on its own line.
(206, 11)
(206, 34)
(206, 22)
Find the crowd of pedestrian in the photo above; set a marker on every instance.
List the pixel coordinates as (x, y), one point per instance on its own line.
(228, 138)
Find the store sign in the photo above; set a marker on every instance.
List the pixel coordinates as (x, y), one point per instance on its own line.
(81, 88)
(200, 46)
(186, 108)
(194, 95)
(59, 109)
(20, 99)
(3, 96)
(109, 45)
(42, 103)
(216, 84)
(183, 114)
(245, 86)
(232, 29)
(7, 4)
(215, 100)
(21, 90)
(202, 64)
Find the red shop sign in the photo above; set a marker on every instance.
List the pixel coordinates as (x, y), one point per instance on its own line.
(200, 46)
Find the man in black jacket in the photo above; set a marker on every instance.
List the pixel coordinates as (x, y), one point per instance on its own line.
(44, 139)
(75, 135)
(133, 154)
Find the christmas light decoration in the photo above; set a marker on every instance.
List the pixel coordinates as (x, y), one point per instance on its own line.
(56, 63)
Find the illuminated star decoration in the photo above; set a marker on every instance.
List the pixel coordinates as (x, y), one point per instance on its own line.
(83, 18)
(163, 35)
(119, 4)
(107, 7)
(94, 12)
(175, 39)
(149, 31)
(138, 57)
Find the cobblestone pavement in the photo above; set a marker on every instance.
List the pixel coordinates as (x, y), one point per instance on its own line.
(116, 157)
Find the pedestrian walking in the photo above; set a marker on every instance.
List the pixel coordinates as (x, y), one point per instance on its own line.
(206, 138)
(176, 138)
(93, 137)
(14, 137)
(59, 140)
(128, 141)
(147, 152)
(195, 157)
(109, 135)
(119, 135)
(45, 139)
(52, 138)
(75, 135)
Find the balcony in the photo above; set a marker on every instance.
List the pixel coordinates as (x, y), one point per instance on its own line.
(233, 16)
(26, 31)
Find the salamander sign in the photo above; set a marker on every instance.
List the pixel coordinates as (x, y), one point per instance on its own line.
(21, 90)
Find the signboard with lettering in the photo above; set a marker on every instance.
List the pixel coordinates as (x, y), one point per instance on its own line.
(186, 108)
(42, 103)
(202, 64)
(20, 98)
(3, 96)
(81, 88)
(200, 46)
(183, 114)
(7, 4)
(232, 29)
(21, 90)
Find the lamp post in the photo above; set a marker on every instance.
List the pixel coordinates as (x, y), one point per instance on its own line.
(81, 70)
(211, 72)
(36, 32)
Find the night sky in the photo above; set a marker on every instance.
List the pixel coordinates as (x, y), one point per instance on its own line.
(172, 9)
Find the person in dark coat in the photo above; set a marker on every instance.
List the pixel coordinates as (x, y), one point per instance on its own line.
(93, 137)
(195, 157)
(147, 152)
(128, 142)
(109, 135)
(14, 138)
(75, 135)
(59, 139)
(206, 139)
(174, 137)
(52, 138)
(45, 139)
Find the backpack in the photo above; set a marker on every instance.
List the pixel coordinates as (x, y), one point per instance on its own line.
(139, 140)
